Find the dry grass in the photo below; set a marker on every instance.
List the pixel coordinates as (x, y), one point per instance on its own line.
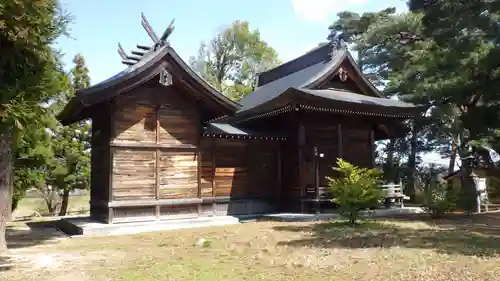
(459, 248)
(28, 206)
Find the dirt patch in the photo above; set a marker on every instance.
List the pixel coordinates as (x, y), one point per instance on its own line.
(456, 248)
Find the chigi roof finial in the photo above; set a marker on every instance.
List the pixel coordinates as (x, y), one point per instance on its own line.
(337, 40)
(137, 55)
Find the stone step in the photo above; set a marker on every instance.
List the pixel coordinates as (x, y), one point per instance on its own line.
(87, 227)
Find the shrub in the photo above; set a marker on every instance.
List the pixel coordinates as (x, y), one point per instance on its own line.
(439, 199)
(355, 189)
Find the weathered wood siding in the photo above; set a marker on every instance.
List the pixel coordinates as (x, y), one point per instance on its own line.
(239, 168)
(134, 174)
(323, 136)
(207, 167)
(178, 124)
(358, 148)
(231, 168)
(155, 145)
(134, 123)
(178, 173)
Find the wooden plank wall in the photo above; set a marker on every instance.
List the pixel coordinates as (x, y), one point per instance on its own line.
(155, 145)
(231, 168)
(134, 174)
(178, 173)
(239, 168)
(324, 136)
(357, 146)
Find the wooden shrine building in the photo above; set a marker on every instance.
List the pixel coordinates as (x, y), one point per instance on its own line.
(165, 144)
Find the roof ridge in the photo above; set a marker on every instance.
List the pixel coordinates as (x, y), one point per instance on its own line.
(316, 55)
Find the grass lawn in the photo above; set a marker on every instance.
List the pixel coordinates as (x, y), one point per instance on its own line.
(458, 248)
(27, 206)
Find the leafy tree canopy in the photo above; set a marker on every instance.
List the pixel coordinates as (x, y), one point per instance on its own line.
(231, 61)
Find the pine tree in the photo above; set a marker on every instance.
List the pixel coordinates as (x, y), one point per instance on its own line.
(70, 168)
(28, 75)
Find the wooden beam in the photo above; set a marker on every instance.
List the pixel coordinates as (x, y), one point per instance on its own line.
(339, 141)
(372, 144)
(143, 47)
(127, 62)
(157, 162)
(301, 138)
(198, 167)
(213, 147)
(111, 156)
(188, 147)
(154, 202)
(138, 53)
(279, 178)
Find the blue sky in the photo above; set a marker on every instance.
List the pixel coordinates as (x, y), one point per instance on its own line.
(290, 26)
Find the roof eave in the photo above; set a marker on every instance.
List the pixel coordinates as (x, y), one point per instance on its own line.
(71, 112)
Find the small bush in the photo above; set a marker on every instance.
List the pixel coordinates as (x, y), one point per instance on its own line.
(439, 199)
(356, 189)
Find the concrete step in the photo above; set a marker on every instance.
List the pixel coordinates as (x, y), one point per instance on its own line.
(88, 227)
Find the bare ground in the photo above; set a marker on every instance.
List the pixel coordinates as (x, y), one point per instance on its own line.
(411, 248)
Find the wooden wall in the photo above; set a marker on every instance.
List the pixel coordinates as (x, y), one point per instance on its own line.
(239, 168)
(153, 164)
(155, 136)
(358, 146)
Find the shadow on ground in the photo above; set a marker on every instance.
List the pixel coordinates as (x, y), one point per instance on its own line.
(477, 235)
(32, 234)
(5, 264)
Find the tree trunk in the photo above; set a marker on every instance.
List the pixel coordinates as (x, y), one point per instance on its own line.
(410, 188)
(451, 164)
(389, 173)
(15, 202)
(5, 187)
(64, 203)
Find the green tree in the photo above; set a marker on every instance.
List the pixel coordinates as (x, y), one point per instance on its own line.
(231, 61)
(353, 25)
(28, 67)
(355, 189)
(70, 167)
(461, 69)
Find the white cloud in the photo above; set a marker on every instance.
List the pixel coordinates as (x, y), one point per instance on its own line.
(319, 11)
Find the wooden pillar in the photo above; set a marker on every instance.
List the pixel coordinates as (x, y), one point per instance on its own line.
(110, 184)
(214, 186)
(372, 145)
(279, 181)
(316, 178)
(157, 163)
(110, 160)
(301, 139)
(340, 153)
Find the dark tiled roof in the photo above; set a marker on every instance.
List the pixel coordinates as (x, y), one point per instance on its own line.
(340, 95)
(299, 79)
(314, 56)
(234, 130)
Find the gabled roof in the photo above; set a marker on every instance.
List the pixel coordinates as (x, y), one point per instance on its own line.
(304, 72)
(148, 67)
(329, 100)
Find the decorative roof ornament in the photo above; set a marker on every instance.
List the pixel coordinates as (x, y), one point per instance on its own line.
(163, 39)
(137, 55)
(343, 74)
(337, 40)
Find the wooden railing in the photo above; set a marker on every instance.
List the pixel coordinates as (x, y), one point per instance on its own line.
(393, 192)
